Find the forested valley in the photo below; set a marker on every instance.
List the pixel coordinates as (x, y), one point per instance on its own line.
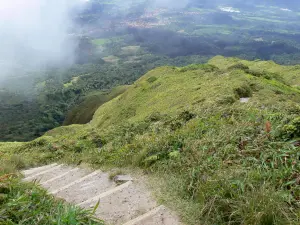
(119, 43)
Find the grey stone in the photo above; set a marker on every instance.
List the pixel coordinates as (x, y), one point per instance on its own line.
(244, 100)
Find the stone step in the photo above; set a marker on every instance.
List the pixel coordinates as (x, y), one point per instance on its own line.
(122, 205)
(158, 216)
(87, 188)
(33, 171)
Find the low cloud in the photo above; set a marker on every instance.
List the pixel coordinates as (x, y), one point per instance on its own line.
(35, 34)
(171, 3)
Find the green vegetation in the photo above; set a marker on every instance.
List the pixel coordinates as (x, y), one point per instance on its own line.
(100, 41)
(25, 203)
(55, 96)
(218, 160)
(84, 111)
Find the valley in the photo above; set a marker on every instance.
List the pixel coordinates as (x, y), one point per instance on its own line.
(117, 47)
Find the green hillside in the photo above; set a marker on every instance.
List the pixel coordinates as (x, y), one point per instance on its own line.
(84, 111)
(222, 138)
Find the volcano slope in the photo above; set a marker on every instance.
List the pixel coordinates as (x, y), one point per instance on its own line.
(219, 141)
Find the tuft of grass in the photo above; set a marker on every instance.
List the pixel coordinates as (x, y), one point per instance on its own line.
(17, 162)
(27, 203)
(115, 173)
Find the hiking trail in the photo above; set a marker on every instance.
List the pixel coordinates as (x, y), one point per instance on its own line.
(123, 199)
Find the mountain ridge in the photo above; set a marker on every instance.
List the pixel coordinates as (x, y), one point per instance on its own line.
(191, 127)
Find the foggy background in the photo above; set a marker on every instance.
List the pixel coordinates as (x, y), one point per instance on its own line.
(35, 34)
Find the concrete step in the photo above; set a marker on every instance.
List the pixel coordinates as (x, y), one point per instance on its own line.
(87, 188)
(48, 174)
(122, 205)
(33, 171)
(91, 201)
(158, 216)
(75, 182)
(64, 179)
(129, 203)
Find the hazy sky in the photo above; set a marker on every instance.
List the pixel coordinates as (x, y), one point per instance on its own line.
(171, 3)
(33, 33)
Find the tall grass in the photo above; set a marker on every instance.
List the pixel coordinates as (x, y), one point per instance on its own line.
(25, 203)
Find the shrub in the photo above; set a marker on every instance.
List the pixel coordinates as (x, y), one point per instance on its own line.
(239, 66)
(205, 67)
(227, 99)
(154, 117)
(186, 116)
(243, 91)
(152, 79)
(17, 162)
(291, 130)
(266, 75)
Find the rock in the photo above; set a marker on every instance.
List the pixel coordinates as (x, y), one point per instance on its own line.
(122, 178)
(244, 100)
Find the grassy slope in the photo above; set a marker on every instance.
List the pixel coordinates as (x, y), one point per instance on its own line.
(83, 112)
(290, 73)
(221, 161)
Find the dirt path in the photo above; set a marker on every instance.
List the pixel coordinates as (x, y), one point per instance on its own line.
(123, 200)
